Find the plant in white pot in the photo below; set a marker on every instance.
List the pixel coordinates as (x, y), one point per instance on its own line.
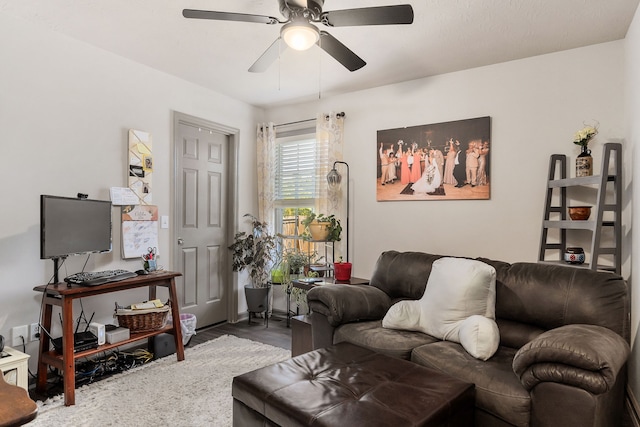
(255, 253)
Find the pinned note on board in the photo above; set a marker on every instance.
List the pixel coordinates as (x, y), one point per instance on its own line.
(139, 230)
(123, 196)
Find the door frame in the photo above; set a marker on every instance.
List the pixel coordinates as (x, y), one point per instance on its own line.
(233, 136)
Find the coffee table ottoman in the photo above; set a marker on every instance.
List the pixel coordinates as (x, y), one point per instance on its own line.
(347, 385)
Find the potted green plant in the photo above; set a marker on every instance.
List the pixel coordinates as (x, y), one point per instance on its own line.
(296, 260)
(322, 227)
(315, 266)
(256, 253)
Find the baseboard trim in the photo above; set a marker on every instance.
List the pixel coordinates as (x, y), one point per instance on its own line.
(632, 407)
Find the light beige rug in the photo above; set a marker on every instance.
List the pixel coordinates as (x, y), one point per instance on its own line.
(194, 392)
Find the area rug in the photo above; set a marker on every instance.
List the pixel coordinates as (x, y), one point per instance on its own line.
(194, 392)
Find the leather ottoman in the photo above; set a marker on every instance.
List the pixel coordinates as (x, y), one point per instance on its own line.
(347, 385)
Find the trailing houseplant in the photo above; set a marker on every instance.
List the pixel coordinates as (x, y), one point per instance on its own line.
(328, 224)
(296, 260)
(255, 252)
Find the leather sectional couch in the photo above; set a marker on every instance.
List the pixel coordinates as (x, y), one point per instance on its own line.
(563, 338)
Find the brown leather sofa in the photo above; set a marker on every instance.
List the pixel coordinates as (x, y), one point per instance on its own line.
(564, 335)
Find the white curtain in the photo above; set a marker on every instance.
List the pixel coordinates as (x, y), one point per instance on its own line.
(266, 164)
(330, 139)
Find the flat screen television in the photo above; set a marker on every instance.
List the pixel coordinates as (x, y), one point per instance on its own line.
(73, 226)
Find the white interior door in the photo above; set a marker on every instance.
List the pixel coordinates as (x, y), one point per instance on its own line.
(201, 179)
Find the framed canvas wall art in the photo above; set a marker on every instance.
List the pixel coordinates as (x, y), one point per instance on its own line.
(441, 161)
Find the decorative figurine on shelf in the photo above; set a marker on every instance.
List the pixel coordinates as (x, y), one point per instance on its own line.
(150, 260)
(584, 162)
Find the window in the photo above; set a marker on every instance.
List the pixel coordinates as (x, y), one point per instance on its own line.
(300, 163)
(296, 172)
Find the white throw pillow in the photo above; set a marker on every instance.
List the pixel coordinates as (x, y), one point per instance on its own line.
(479, 336)
(403, 315)
(457, 289)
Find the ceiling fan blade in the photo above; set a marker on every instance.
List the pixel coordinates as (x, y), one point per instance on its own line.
(340, 52)
(268, 57)
(383, 15)
(227, 16)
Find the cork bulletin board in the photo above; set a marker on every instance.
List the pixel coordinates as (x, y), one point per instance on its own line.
(139, 220)
(141, 165)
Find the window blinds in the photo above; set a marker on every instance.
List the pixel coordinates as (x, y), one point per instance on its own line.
(296, 176)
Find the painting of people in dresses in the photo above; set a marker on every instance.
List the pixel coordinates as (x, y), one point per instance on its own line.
(441, 161)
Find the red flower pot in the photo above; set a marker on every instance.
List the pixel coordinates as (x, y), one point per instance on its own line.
(342, 271)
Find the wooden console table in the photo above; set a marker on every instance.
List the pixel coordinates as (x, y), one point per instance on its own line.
(63, 295)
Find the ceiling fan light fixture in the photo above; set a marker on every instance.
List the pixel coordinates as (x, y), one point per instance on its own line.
(300, 35)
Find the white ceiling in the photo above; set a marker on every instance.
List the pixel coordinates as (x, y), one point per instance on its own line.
(446, 36)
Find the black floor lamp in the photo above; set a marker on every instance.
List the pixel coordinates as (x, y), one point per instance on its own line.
(334, 179)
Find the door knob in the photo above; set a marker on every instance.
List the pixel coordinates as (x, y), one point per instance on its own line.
(180, 242)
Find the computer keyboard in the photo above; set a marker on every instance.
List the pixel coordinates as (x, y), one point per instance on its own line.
(95, 278)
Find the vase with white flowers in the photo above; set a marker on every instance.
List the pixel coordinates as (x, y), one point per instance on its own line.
(584, 161)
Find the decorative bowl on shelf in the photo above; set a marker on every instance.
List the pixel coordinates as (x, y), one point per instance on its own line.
(579, 213)
(574, 255)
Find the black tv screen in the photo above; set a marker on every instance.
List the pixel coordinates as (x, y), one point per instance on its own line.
(71, 226)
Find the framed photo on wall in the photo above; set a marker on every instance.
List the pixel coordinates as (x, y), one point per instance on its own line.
(441, 161)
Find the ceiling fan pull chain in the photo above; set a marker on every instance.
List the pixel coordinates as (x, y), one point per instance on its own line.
(320, 71)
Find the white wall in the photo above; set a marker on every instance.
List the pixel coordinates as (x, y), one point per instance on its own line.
(65, 110)
(632, 86)
(535, 104)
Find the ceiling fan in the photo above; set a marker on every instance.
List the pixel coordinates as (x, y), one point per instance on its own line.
(299, 33)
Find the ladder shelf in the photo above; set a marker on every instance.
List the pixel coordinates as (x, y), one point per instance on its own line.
(606, 213)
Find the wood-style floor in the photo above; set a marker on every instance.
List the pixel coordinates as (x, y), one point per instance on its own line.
(277, 334)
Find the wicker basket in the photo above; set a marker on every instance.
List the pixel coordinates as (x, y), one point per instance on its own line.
(147, 320)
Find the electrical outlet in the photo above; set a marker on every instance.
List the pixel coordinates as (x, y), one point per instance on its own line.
(17, 333)
(34, 332)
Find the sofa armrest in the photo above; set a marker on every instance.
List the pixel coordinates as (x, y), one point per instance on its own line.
(342, 303)
(585, 356)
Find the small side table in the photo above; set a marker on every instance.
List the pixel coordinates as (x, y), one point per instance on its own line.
(15, 368)
(306, 285)
(301, 334)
